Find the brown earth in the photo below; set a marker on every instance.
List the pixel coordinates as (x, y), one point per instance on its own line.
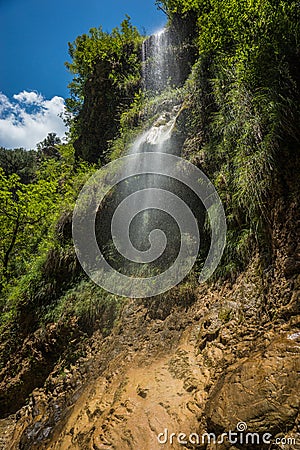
(198, 369)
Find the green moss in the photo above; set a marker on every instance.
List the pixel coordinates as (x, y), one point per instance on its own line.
(90, 304)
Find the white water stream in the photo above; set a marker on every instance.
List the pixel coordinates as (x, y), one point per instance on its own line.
(156, 139)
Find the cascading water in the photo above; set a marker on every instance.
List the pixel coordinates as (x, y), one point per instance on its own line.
(156, 67)
(158, 138)
(155, 79)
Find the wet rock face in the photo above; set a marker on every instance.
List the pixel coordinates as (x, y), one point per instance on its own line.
(32, 364)
(97, 118)
(262, 391)
(104, 101)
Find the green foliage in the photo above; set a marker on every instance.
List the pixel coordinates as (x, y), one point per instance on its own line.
(19, 161)
(50, 272)
(50, 141)
(242, 104)
(24, 215)
(107, 71)
(249, 28)
(182, 6)
(29, 212)
(90, 304)
(118, 50)
(48, 148)
(68, 175)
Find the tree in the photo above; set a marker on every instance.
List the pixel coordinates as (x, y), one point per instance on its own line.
(25, 212)
(106, 69)
(20, 161)
(48, 147)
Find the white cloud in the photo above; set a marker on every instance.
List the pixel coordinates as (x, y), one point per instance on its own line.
(28, 119)
(4, 103)
(29, 97)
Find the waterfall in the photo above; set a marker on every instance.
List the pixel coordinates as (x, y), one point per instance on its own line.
(156, 61)
(156, 139)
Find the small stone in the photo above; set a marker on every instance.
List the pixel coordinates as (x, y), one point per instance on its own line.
(142, 392)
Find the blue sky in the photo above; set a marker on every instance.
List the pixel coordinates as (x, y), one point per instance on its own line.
(34, 36)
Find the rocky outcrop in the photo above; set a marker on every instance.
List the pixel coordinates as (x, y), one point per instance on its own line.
(32, 364)
(98, 113)
(261, 391)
